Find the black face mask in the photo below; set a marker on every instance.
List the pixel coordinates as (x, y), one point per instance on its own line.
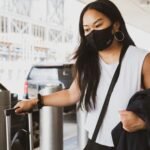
(100, 39)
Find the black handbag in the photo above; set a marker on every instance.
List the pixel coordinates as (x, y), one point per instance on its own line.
(91, 144)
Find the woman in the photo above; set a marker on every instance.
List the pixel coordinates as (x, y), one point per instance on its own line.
(103, 36)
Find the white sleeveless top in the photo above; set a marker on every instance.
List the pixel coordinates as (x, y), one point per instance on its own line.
(128, 83)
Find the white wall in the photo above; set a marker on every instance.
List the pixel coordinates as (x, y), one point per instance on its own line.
(72, 13)
(141, 38)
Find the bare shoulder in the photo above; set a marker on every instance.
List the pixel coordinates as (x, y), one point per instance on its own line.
(146, 64)
(146, 71)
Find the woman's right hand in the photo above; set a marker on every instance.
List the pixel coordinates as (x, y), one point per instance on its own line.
(25, 105)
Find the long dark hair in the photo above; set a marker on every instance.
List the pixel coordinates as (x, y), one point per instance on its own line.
(87, 60)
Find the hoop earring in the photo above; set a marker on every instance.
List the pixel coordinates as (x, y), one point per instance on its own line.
(119, 36)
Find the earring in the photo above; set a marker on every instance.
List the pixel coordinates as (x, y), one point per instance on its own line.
(119, 36)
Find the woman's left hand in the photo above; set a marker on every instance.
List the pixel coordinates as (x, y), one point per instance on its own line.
(130, 121)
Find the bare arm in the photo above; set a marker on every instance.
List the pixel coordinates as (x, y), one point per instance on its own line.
(131, 122)
(60, 99)
(146, 72)
(63, 98)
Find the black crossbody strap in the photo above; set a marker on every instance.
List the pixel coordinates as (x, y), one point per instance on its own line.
(110, 90)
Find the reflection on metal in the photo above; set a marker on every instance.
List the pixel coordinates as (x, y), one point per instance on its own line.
(82, 133)
(5, 103)
(51, 123)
